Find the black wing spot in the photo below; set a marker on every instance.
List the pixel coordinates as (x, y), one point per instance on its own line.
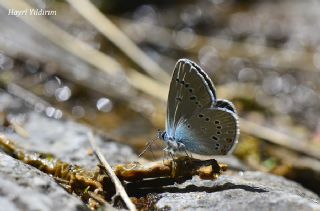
(193, 97)
(190, 90)
(188, 126)
(177, 79)
(200, 115)
(219, 127)
(214, 138)
(179, 99)
(182, 81)
(217, 146)
(218, 132)
(197, 102)
(187, 85)
(207, 119)
(216, 122)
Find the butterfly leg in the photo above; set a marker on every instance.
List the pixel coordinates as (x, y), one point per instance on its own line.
(168, 151)
(148, 146)
(171, 152)
(182, 147)
(165, 154)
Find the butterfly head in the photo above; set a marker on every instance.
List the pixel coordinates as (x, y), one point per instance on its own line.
(162, 135)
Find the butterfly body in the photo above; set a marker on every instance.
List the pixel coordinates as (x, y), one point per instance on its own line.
(196, 120)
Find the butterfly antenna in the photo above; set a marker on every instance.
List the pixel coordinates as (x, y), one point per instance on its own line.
(147, 147)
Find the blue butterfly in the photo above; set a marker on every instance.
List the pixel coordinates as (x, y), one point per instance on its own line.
(196, 120)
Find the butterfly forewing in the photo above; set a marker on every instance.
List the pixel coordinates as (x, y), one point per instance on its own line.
(190, 91)
(225, 104)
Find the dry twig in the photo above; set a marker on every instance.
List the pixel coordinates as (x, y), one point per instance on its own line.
(64, 39)
(162, 36)
(118, 185)
(278, 138)
(117, 37)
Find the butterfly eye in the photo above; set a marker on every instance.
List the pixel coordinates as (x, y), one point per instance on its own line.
(162, 136)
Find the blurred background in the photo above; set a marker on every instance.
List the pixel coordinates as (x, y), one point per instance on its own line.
(107, 64)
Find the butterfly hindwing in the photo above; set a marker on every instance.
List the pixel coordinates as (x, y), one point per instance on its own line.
(211, 131)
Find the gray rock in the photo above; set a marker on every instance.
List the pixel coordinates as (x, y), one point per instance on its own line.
(64, 139)
(26, 188)
(242, 191)
(68, 141)
(23, 187)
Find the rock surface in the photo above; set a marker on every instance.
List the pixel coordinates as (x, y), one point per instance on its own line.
(242, 191)
(64, 139)
(23, 187)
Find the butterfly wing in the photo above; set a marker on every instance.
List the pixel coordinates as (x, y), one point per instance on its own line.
(195, 117)
(190, 91)
(221, 103)
(210, 131)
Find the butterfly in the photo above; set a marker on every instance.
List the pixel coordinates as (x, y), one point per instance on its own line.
(197, 121)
